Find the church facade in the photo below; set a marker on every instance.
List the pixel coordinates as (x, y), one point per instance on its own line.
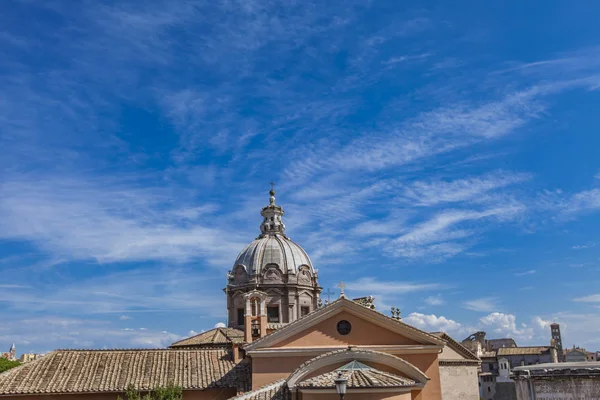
(281, 342)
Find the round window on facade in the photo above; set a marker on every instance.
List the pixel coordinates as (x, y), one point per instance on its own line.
(344, 327)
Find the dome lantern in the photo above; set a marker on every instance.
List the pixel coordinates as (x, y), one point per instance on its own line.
(272, 217)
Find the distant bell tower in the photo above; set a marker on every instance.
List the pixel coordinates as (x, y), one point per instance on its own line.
(557, 340)
(13, 352)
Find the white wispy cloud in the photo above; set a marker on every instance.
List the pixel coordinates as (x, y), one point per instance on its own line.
(569, 205)
(433, 323)
(438, 239)
(584, 246)
(59, 332)
(523, 273)
(370, 285)
(482, 304)
(435, 300)
(123, 293)
(593, 298)
(430, 193)
(108, 222)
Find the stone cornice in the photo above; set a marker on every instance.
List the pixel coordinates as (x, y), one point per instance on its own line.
(452, 363)
(315, 351)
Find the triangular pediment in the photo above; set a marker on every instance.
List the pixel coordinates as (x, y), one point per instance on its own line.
(366, 328)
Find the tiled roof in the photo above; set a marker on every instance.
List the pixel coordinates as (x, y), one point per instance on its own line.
(276, 325)
(275, 391)
(88, 371)
(365, 377)
(355, 351)
(488, 354)
(367, 301)
(499, 342)
(217, 336)
(511, 351)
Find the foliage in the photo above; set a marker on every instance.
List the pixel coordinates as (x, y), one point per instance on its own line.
(5, 364)
(169, 392)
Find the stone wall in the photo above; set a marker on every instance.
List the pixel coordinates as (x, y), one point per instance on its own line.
(459, 382)
(505, 391)
(560, 389)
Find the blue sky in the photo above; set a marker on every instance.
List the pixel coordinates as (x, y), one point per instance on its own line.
(441, 157)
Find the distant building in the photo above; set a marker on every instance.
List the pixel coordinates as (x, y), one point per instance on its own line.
(591, 356)
(11, 354)
(520, 356)
(26, 357)
(488, 375)
(557, 340)
(478, 344)
(576, 354)
(495, 375)
(558, 381)
(495, 344)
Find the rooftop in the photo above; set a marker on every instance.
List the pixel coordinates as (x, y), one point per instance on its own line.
(582, 368)
(358, 375)
(510, 351)
(89, 371)
(217, 336)
(274, 391)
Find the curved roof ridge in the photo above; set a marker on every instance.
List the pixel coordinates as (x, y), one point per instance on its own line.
(354, 350)
(251, 394)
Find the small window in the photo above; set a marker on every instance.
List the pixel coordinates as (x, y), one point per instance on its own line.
(491, 366)
(344, 327)
(240, 316)
(304, 310)
(273, 314)
(489, 388)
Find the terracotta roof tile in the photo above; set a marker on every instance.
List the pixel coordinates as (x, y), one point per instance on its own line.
(507, 351)
(354, 351)
(85, 371)
(217, 336)
(358, 379)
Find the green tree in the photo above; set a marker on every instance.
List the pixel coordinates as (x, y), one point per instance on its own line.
(5, 364)
(169, 392)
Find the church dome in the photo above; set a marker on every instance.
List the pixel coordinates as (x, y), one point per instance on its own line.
(272, 253)
(272, 281)
(273, 249)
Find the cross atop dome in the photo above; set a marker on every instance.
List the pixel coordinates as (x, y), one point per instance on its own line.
(272, 193)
